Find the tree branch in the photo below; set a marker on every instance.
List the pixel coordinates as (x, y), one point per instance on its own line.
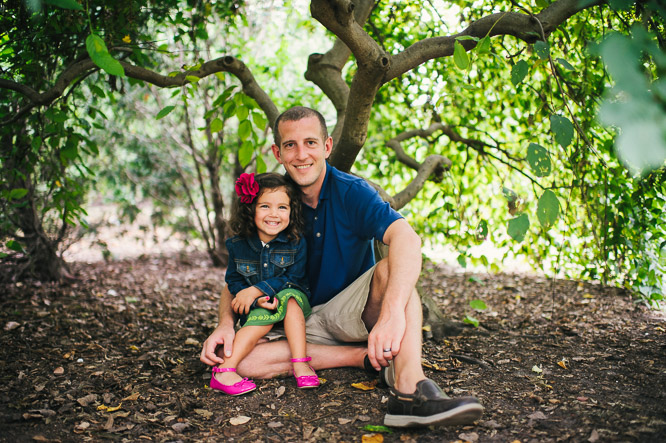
(519, 25)
(222, 64)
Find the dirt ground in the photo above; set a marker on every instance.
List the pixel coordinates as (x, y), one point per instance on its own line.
(115, 357)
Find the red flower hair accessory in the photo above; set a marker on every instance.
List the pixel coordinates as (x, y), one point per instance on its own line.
(247, 188)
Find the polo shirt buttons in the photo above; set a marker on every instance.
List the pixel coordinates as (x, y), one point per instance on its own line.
(318, 234)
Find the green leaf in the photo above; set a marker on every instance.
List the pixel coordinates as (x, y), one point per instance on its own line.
(467, 37)
(542, 50)
(509, 194)
(100, 56)
(517, 227)
(245, 153)
(36, 143)
(242, 112)
(548, 209)
(14, 246)
(462, 260)
(565, 64)
(519, 72)
(483, 47)
(164, 112)
(261, 165)
(563, 130)
(482, 229)
(244, 129)
(229, 108)
(479, 305)
(216, 125)
(539, 160)
(65, 4)
(259, 120)
(471, 321)
(192, 78)
(17, 193)
(377, 428)
(460, 57)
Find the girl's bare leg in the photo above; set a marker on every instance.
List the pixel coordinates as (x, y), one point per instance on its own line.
(246, 339)
(294, 328)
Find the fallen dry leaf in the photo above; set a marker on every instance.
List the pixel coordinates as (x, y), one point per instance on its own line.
(241, 419)
(372, 438)
(59, 370)
(365, 385)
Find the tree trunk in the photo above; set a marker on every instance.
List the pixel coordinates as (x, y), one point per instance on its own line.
(219, 254)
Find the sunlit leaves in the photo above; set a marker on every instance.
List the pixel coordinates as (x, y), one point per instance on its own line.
(483, 46)
(548, 208)
(542, 50)
(519, 72)
(517, 227)
(244, 129)
(565, 64)
(460, 57)
(539, 160)
(164, 112)
(245, 153)
(216, 125)
(635, 105)
(101, 57)
(563, 130)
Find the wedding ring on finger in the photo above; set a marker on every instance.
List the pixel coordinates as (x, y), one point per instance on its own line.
(387, 350)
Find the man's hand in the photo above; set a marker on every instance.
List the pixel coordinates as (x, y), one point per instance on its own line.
(220, 336)
(243, 301)
(387, 336)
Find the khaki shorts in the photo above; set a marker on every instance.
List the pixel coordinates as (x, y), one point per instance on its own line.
(338, 321)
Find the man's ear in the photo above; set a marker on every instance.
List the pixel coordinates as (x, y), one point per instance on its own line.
(276, 152)
(328, 147)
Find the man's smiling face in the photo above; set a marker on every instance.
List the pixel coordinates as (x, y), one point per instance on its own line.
(303, 152)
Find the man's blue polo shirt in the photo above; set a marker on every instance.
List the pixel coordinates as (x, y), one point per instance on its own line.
(339, 233)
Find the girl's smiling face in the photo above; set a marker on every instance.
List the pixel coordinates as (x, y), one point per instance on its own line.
(271, 214)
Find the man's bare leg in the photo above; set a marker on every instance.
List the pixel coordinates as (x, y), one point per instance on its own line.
(408, 370)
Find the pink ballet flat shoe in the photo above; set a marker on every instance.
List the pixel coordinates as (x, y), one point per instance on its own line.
(306, 381)
(242, 387)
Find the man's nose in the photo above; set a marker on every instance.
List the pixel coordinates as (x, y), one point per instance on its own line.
(301, 151)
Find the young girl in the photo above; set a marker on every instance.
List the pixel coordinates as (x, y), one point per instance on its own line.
(266, 275)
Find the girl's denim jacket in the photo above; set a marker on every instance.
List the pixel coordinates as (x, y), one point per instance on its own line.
(278, 265)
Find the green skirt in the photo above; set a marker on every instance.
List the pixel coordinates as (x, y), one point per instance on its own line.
(261, 316)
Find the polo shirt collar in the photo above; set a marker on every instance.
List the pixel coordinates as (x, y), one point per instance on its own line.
(325, 191)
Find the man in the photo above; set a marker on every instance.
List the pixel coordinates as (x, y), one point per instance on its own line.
(353, 299)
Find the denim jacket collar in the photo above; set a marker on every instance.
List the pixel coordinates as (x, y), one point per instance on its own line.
(255, 242)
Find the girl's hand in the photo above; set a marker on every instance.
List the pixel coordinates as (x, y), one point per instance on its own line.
(243, 301)
(263, 302)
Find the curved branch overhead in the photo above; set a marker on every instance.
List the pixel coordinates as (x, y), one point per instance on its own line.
(520, 25)
(221, 64)
(431, 168)
(375, 67)
(325, 70)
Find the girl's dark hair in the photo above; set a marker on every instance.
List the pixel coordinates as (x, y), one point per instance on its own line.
(242, 214)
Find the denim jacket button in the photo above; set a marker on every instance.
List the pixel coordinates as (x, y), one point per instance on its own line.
(265, 265)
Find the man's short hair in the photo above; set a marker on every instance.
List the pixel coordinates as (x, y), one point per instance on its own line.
(298, 113)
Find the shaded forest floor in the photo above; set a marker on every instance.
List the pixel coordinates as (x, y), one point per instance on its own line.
(115, 356)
